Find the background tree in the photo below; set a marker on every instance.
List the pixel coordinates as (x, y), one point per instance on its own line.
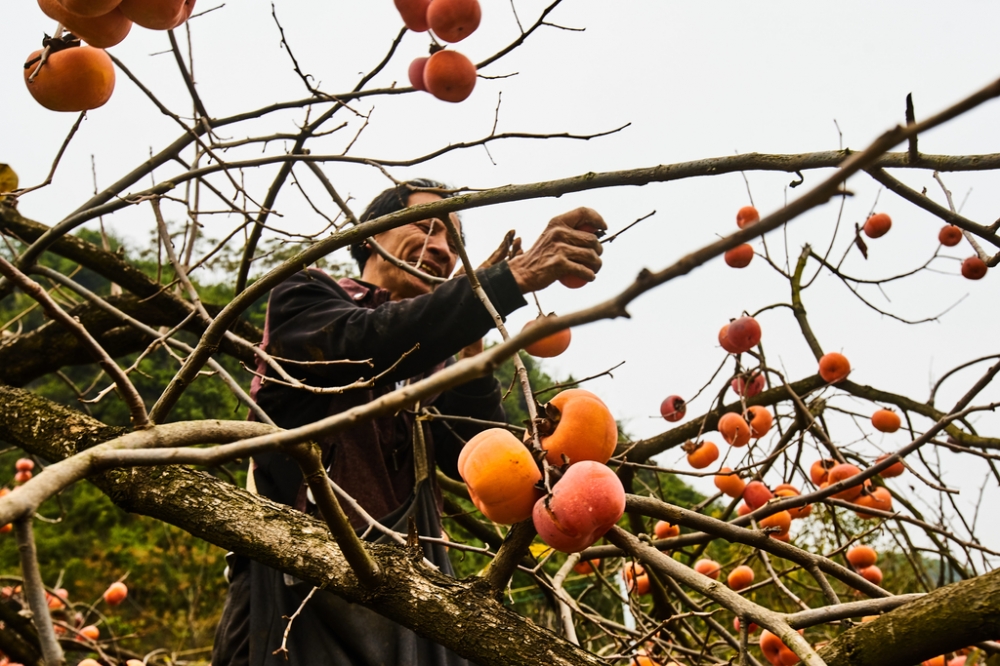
(273, 173)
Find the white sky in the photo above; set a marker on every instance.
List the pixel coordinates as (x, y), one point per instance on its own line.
(695, 80)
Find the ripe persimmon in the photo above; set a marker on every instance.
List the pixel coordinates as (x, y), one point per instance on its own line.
(414, 14)
(878, 498)
(673, 408)
(501, 476)
(416, 73)
(729, 483)
(709, 568)
(449, 76)
(72, 79)
(746, 216)
(974, 268)
(872, 574)
(759, 420)
(551, 345)
(586, 567)
(740, 256)
(454, 20)
(740, 335)
(89, 8)
(820, 470)
(782, 520)
(743, 509)
(751, 628)
(775, 651)
(788, 490)
(702, 454)
(115, 594)
(893, 470)
(877, 225)
(636, 578)
(102, 31)
(584, 428)
(748, 387)
(155, 14)
(91, 632)
(756, 495)
(886, 420)
(834, 367)
(734, 428)
(24, 464)
(665, 530)
(950, 235)
(739, 578)
(840, 473)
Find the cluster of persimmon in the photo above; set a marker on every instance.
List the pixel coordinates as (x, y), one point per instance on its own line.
(578, 436)
(68, 622)
(973, 268)
(741, 255)
(448, 75)
(22, 474)
(66, 75)
(865, 495)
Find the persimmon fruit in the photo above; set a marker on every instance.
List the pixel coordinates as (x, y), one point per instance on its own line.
(974, 268)
(734, 429)
(501, 476)
(115, 594)
(820, 470)
(877, 225)
(886, 420)
(89, 8)
(748, 388)
(872, 574)
(788, 490)
(22, 477)
(549, 346)
(586, 567)
(666, 530)
(585, 503)
(775, 651)
(756, 495)
(707, 567)
(834, 367)
(673, 408)
(740, 256)
(760, 420)
(449, 76)
(416, 73)
(155, 14)
(782, 521)
(414, 14)
(862, 556)
(74, 79)
(584, 428)
(840, 473)
(751, 628)
(878, 498)
(702, 454)
(740, 335)
(893, 470)
(950, 235)
(91, 632)
(636, 578)
(746, 216)
(729, 483)
(740, 578)
(102, 31)
(454, 20)
(24, 465)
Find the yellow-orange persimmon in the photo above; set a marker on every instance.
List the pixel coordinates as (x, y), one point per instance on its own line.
(886, 420)
(701, 454)
(501, 476)
(734, 428)
(454, 20)
(551, 345)
(739, 578)
(666, 530)
(760, 420)
(74, 79)
(584, 428)
(729, 483)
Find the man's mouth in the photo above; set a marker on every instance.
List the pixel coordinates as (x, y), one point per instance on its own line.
(426, 268)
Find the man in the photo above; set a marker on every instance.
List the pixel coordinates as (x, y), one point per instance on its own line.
(409, 329)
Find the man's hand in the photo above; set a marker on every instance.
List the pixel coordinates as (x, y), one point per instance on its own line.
(567, 247)
(509, 248)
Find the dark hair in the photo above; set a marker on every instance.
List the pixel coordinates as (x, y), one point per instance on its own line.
(390, 201)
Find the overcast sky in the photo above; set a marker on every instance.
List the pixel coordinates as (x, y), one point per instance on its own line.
(694, 80)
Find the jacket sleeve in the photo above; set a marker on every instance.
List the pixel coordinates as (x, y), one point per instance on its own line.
(312, 319)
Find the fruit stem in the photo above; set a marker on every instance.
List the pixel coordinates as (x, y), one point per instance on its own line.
(45, 53)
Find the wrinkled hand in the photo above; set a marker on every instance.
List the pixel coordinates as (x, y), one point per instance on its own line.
(567, 248)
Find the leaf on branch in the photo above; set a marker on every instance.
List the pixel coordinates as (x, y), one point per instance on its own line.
(859, 242)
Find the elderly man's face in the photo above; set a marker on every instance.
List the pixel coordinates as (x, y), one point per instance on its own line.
(424, 244)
